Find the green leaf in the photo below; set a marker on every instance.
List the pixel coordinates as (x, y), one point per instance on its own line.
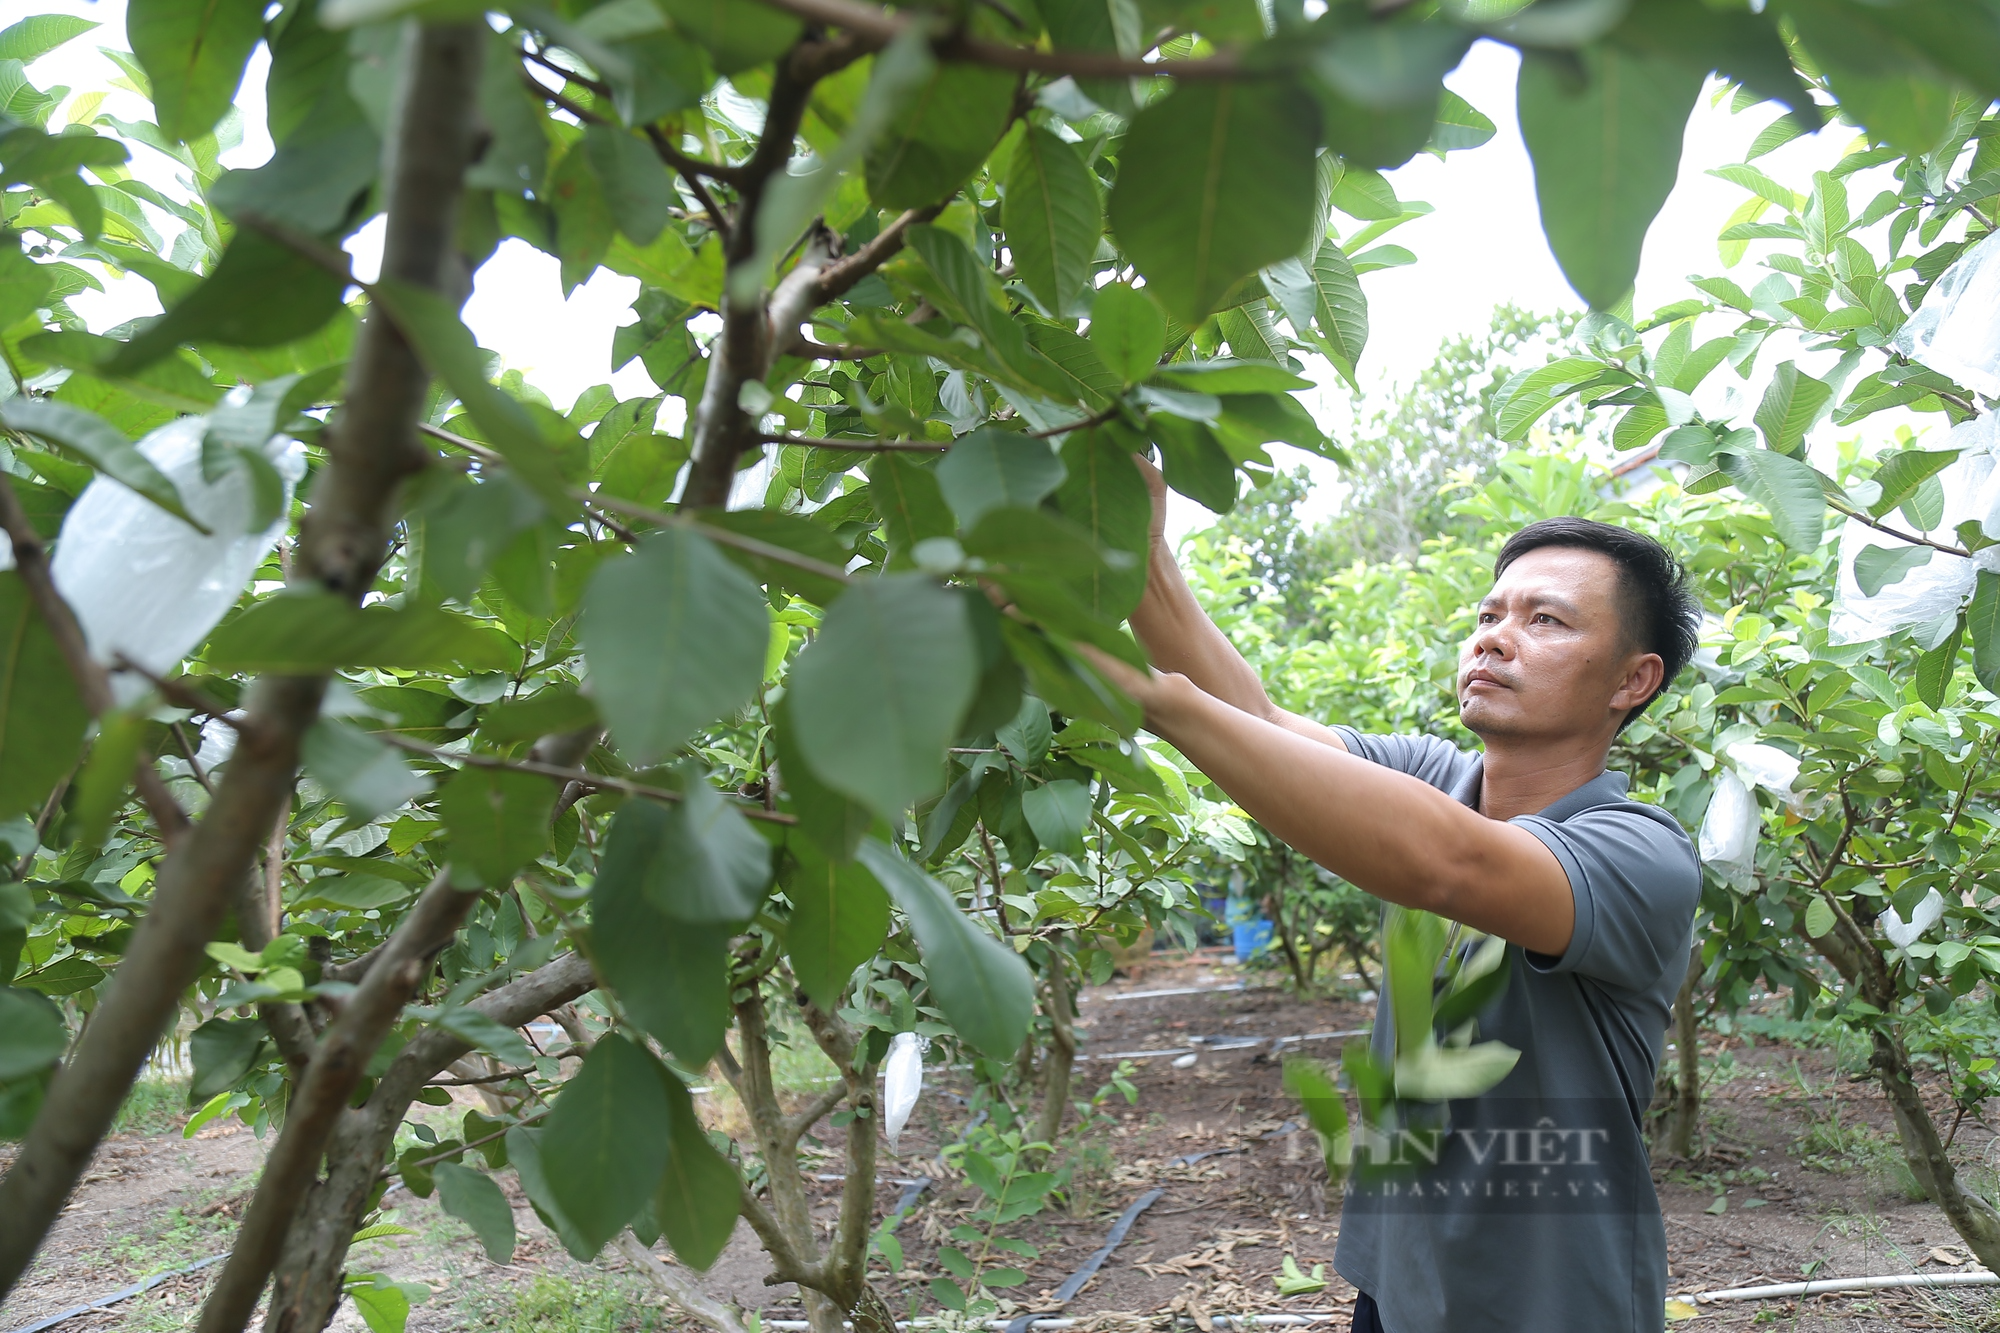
(1819, 918)
(311, 633)
(524, 1150)
(699, 1194)
(1364, 193)
(231, 306)
(608, 1139)
(1982, 624)
(1128, 332)
(222, 1051)
(737, 35)
(35, 36)
(486, 1034)
(446, 346)
(32, 1035)
(499, 821)
(1103, 494)
(1606, 155)
(544, 714)
(1876, 567)
(675, 637)
(839, 918)
(1530, 394)
(17, 911)
(1786, 487)
(710, 867)
(1412, 943)
(193, 55)
(1215, 180)
(671, 977)
(1903, 471)
(992, 468)
(42, 719)
(911, 502)
(1339, 308)
(1791, 404)
(1230, 377)
(100, 788)
(1319, 1097)
(1459, 125)
(65, 976)
(939, 136)
(1432, 1073)
(1935, 668)
(983, 986)
(473, 1198)
(636, 187)
(384, 1305)
(366, 776)
(1058, 812)
(312, 181)
(833, 822)
(1053, 219)
(95, 439)
(1195, 464)
(879, 694)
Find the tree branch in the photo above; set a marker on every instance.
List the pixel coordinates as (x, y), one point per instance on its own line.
(837, 278)
(308, 1285)
(859, 446)
(1863, 516)
(329, 1083)
(878, 27)
(680, 1287)
(581, 777)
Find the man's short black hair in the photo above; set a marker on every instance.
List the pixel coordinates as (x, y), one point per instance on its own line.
(1660, 611)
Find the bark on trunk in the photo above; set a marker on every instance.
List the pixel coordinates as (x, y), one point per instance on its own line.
(1972, 1217)
(1057, 1064)
(308, 1277)
(1687, 1049)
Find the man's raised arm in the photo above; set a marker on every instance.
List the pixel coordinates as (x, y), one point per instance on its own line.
(1180, 638)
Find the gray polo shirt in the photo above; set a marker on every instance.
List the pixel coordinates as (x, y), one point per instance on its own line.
(1532, 1205)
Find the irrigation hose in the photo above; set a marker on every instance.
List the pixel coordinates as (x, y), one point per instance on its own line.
(1781, 1290)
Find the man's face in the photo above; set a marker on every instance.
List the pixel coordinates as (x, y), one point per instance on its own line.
(1550, 657)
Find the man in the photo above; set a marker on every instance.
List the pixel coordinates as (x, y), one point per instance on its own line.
(1539, 1215)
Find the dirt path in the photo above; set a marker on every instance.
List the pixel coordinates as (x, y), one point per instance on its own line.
(1800, 1179)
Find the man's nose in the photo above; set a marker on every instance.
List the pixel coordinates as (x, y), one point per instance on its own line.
(1493, 640)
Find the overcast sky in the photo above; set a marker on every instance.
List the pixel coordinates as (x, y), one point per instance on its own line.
(1482, 245)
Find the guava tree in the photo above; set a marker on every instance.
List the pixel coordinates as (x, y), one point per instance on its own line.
(581, 715)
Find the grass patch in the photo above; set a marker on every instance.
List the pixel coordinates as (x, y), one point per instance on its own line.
(560, 1305)
(154, 1106)
(177, 1236)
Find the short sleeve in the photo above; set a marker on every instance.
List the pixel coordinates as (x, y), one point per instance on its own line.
(1636, 883)
(1429, 759)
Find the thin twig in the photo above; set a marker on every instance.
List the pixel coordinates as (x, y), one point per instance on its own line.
(1863, 516)
(878, 27)
(858, 446)
(579, 776)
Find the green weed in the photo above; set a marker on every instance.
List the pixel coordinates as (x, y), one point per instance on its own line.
(560, 1305)
(175, 1237)
(154, 1106)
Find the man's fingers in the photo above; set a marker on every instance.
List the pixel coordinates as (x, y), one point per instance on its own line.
(1137, 683)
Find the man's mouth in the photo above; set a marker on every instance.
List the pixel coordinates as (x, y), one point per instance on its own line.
(1484, 678)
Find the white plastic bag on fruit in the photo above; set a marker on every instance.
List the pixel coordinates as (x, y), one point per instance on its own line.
(1728, 843)
(1903, 933)
(148, 586)
(1956, 331)
(903, 1080)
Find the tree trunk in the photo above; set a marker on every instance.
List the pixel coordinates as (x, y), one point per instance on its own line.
(1687, 1048)
(1057, 1065)
(309, 1271)
(1972, 1217)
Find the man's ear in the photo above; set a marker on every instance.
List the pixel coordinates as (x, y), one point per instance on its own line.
(1643, 678)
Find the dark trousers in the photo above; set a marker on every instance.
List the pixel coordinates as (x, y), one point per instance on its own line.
(1366, 1318)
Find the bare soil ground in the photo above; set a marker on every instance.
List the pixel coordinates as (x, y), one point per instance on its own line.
(1799, 1177)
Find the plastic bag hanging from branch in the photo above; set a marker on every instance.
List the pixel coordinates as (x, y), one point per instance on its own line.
(1956, 331)
(147, 586)
(1728, 843)
(903, 1081)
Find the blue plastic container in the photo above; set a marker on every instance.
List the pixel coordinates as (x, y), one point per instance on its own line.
(1251, 938)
